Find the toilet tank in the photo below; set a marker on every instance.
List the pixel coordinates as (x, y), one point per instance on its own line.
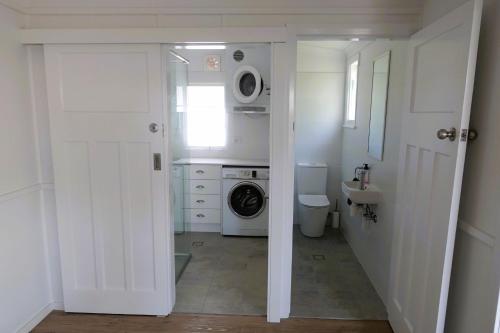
(311, 178)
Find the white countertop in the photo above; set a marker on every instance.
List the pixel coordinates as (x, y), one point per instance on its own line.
(223, 161)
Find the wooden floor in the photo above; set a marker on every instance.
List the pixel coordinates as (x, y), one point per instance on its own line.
(60, 322)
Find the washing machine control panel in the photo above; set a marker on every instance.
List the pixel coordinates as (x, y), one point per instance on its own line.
(245, 173)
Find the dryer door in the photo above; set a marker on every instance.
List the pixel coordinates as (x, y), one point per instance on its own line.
(246, 200)
(247, 84)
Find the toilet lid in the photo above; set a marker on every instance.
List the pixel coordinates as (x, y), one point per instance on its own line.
(314, 200)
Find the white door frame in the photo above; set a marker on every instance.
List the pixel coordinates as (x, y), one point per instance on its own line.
(282, 118)
(298, 33)
(278, 135)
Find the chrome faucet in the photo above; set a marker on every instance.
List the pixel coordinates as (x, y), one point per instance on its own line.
(360, 175)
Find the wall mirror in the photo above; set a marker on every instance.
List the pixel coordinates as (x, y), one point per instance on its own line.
(380, 85)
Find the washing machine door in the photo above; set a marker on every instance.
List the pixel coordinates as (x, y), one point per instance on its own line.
(247, 84)
(246, 200)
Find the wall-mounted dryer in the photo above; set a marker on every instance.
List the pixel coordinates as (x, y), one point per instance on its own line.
(248, 78)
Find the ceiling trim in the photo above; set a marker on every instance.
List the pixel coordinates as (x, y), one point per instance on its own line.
(30, 8)
(152, 35)
(220, 34)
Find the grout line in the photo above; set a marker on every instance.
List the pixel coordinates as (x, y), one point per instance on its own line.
(212, 279)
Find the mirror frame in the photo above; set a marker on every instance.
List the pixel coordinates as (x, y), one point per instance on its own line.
(384, 54)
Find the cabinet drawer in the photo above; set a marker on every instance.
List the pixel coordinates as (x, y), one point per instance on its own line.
(202, 201)
(201, 186)
(202, 215)
(202, 171)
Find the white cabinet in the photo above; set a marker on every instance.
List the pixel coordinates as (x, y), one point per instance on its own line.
(208, 201)
(202, 197)
(202, 215)
(201, 171)
(202, 186)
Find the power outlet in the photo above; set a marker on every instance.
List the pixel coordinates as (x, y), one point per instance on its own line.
(237, 140)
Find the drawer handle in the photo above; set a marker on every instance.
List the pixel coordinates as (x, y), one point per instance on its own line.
(200, 215)
(200, 187)
(200, 172)
(200, 201)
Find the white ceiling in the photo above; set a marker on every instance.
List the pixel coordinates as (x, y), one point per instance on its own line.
(215, 6)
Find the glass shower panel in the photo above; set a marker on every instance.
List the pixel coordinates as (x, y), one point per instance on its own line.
(177, 71)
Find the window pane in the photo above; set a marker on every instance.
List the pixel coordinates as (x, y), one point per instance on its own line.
(352, 91)
(206, 116)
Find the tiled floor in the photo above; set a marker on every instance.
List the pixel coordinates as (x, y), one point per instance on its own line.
(329, 282)
(226, 275)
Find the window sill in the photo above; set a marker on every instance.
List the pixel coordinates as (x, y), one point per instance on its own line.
(351, 126)
(205, 148)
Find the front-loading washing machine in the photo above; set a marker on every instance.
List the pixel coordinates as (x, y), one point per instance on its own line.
(248, 78)
(245, 210)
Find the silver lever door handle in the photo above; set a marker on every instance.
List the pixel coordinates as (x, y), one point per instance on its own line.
(449, 134)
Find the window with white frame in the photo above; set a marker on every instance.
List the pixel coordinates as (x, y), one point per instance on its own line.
(351, 92)
(205, 117)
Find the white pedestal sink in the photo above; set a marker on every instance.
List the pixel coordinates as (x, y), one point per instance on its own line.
(369, 196)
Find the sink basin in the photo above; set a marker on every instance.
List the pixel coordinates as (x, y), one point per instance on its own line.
(371, 195)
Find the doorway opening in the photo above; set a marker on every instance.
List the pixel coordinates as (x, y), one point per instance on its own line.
(218, 132)
(348, 97)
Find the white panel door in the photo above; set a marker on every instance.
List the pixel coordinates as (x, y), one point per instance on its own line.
(442, 59)
(110, 200)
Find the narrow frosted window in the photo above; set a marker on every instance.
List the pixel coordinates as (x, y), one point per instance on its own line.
(351, 92)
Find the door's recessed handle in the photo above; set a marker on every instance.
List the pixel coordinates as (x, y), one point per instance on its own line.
(200, 215)
(200, 187)
(153, 127)
(200, 201)
(156, 161)
(200, 172)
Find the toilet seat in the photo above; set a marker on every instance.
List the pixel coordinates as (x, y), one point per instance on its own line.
(314, 200)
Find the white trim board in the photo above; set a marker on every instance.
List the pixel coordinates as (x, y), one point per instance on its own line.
(334, 31)
(54, 7)
(280, 187)
(37, 318)
(151, 35)
(216, 34)
(20, 192)
(476, 233)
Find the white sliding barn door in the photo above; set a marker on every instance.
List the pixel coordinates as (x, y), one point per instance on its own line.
(110, 200)
(441, 75)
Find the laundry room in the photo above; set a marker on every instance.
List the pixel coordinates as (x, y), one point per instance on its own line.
(218, 98)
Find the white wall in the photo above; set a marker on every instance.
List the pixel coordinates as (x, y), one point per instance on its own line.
(319, 105)
(24, 280)
(474, 282)
(372, 245)
(45, 169)
(247, 135)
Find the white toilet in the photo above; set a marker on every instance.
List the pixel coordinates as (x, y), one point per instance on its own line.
(313, 203)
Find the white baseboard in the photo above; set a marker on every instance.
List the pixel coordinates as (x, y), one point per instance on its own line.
(37, 318)
(58, 305)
